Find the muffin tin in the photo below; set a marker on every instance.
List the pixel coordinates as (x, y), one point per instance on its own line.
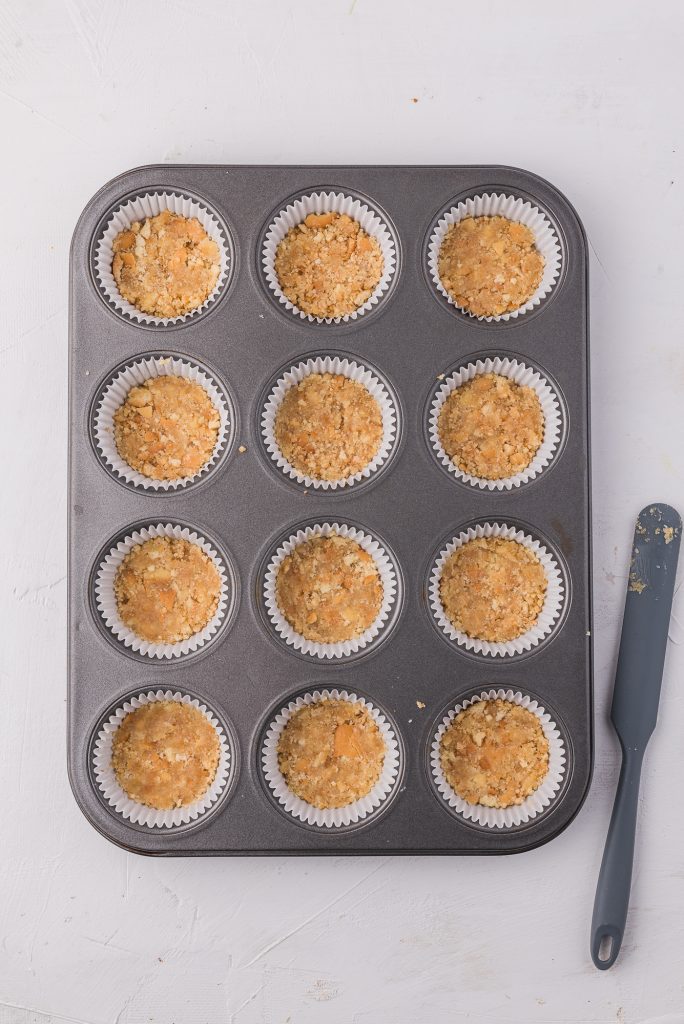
(245, 506)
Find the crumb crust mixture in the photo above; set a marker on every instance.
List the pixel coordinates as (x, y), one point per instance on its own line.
(492, 589)
(166, 265)
(490, 265)
(491, 427)
(167, 590)
(329, 589)
(328, 266)
(165, 754)
(494, 753)
(331, 753)
(328, 426)
(167, 428)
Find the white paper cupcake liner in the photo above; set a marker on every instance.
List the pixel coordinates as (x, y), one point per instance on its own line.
(343, 649)
(328, 202)
(150, 204)
(518, 814)
(141, 814)
(347, 368)
(114, 396)
(106, 599)
(500, 205)
(551, 610)
(331, 817)
(526, 377)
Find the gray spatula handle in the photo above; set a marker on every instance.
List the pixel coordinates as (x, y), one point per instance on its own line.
(615, 877)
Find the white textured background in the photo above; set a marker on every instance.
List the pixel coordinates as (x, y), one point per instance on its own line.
(587, 94)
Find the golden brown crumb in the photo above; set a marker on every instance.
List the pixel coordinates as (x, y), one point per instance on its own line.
(331, 753)
(328, 266)
(166, 265)
(328, 426)
(490, 265)
(491, 427)
(165, 754)
(167, 428)
(167, 589)
(494, 753)
(493, 589)
(329, 589)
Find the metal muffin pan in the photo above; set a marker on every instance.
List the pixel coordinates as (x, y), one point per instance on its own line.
(245, 505)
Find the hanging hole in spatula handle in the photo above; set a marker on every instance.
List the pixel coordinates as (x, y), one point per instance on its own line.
(605, 946)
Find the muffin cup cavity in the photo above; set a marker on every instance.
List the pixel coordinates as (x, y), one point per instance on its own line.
(345, 648)
(524, 376)
(331, 817)
(105, 597)
(113, 396)
(141, 814)
(328, 202)
(353, 371)
(150, 204)
(517, 209)
(548, 616)
(535, 803)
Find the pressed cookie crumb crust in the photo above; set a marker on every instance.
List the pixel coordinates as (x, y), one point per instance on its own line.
(491, 427)
(167, 590)
(328, 427)
(166, 265)
(329, 589)
(490, 265)
(167, 428)
(165, 754)
(328, 266)
(494, 753)
(492, 589)
(331, 753)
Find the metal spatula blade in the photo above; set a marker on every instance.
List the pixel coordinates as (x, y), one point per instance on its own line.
(634, 711)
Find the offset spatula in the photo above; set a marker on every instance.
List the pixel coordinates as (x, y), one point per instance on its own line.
(634, 711)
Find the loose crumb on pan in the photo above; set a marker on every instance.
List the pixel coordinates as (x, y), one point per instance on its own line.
(490, 265)
(328, 426)
(493, 589)
(331, 753)
(491, 427)
(167, 428)
(329, 589)
(166, 265)
(494, 753)
(328, 266)
(165, 754)
(167, 590)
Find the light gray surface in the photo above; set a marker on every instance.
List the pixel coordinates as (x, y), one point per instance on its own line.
(590, 97)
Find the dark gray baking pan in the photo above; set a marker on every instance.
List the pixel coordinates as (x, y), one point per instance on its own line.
(246, 673)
